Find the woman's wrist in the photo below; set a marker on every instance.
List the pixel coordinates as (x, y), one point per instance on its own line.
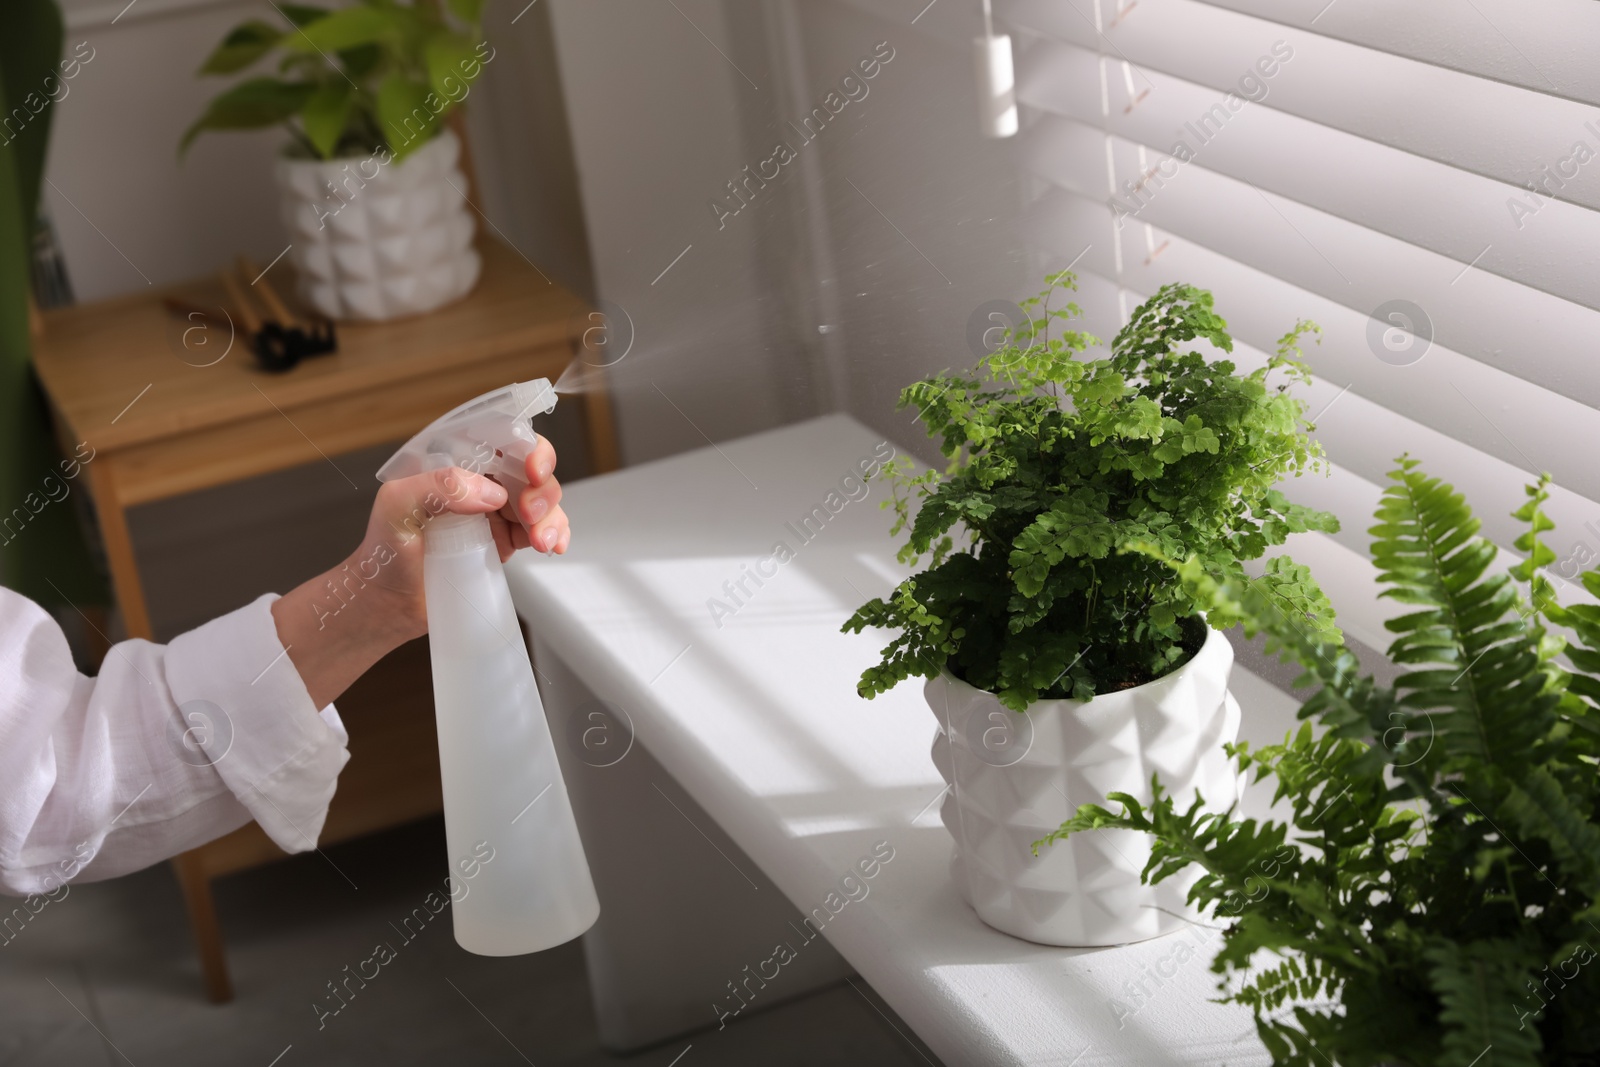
(335, 627)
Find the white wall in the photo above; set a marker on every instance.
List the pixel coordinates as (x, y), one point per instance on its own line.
(655, 118)
(939, 236)
(141, 214)
(808, 299)
(518, 125)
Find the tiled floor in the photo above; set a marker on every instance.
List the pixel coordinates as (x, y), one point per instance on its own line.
(105, 976)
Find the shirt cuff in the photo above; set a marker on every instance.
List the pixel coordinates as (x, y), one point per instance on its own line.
(246, 707)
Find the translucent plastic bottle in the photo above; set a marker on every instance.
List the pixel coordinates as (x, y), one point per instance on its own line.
(519, 878)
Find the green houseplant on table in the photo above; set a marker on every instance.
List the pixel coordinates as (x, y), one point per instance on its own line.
(1438, 904)
(1032, 600)
(370, 186)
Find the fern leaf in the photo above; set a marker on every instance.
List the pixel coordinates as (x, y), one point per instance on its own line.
(1540, 808)
(1480, 704)
(1480, 986)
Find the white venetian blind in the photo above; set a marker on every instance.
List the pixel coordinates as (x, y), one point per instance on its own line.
(1302, 158)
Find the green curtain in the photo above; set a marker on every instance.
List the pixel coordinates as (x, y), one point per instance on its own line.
(47, 558)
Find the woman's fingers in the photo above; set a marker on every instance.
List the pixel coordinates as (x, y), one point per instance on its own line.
(535, 503)
(504, 536)
(517, 521)
(545, 535)
(531, 519)
(447, 489)
(461, 491)
(541, 462)
(535, 524)
(539, 509)
(406, 505)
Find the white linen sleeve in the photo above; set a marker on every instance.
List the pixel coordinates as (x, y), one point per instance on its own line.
(167, 748)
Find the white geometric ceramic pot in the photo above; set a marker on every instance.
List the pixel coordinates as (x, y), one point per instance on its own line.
(1015, 778)
(374, 239)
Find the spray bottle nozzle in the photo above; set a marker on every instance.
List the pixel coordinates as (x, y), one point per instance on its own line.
(487, 435)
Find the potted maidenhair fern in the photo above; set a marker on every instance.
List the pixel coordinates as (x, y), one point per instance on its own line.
(1434, 900)
(1063, 667)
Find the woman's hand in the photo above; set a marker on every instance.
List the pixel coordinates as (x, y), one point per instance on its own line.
(535, 519)
(390, 556)
(341, 622)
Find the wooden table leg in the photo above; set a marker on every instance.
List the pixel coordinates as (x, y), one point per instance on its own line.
(129, 590)
(113, 523)
(98, 644)
(602, 430)
(196, 885)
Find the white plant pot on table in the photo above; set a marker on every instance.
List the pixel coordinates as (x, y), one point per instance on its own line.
(378, 240)
(1015, 778)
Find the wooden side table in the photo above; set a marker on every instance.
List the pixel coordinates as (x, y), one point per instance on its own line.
(119, 377)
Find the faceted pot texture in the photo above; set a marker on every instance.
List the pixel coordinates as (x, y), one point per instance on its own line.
(1016, 778)
(376, 240)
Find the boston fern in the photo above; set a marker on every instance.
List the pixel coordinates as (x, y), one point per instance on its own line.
(1058, 464)
(1432, 901)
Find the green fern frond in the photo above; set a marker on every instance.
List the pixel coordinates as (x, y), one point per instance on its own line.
(1480, 987)
(1539, 807)
(1436, 904)
(1484, 702)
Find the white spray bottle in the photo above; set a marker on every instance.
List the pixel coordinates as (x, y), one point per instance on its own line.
(519, 881)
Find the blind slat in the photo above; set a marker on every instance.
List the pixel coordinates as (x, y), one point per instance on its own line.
(1460, 215)
(1547, 47)
(1487, 127)
(1496, 430)
(1520, 330)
